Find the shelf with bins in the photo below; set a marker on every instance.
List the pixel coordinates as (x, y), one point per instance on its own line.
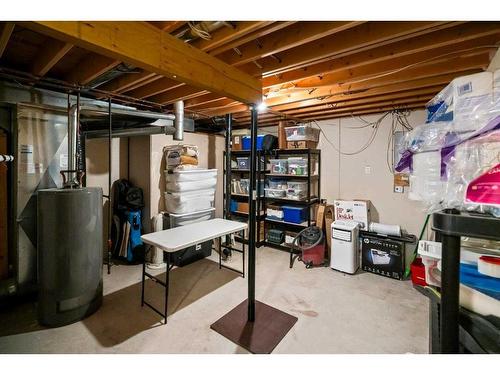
(234, 173)
(298, 165)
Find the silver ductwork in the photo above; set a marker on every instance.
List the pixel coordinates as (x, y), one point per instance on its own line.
(72, 141)
(179, 120)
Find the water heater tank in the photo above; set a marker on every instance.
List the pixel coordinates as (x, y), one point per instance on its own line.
(70, 254)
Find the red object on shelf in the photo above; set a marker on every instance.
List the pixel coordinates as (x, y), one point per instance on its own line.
(418, 272)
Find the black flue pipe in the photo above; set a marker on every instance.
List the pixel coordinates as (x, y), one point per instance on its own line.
(252, 217)
(227, 175)
(110, 208)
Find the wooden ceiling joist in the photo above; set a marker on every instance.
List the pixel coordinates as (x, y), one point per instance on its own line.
(168, 26)
(6, 30)
(182, 93)
(142, 45)
(156, 87)
(293, 36)
(259, 33)
(460, 37)
(362, 37)
(52, 52)
(128, 81)
(226, 35)
(90, 68)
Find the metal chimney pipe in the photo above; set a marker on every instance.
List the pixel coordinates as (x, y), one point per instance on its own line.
(179, 120)
(72, 140)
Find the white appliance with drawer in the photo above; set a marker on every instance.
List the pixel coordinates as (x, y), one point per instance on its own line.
(344, 246)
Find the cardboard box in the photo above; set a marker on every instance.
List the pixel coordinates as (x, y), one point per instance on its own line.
(243, 207)
(383, 256)
(237, 143)
(357, 210)
(301, 144)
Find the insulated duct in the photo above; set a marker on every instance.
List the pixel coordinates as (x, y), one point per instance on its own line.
(179, 120)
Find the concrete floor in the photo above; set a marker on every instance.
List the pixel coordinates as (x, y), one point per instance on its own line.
(337, 313)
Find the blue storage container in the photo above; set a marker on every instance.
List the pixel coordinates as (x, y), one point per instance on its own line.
(295, 215)
(233, 206)
(247, 142)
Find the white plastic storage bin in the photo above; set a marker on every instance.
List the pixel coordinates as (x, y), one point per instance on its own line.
(275, 193)
(182, 186)
(177, 220)
(191, 175)
(187, 202)
(279, 166)
(302, 133)
(298, 166)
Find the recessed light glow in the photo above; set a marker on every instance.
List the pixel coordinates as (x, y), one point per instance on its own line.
(262, 107)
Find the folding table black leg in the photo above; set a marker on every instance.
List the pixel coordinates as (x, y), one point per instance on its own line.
(143, 279)
(167, 279)
(220, 252)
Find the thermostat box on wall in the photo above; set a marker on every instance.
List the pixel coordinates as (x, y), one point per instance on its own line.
(356, 210)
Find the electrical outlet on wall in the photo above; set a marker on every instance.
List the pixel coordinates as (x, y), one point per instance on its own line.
(368, 169)
(398, 189)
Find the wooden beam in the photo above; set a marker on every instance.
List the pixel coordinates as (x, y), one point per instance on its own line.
(465, 36)
(272, 28)
(293, 36)
(5, 32)
(182, 93)
(158, 86)
(207, 98)
(168, 26)
(128, 81)
(365, 36)
(51, 53)
(142, 45)
(226, 35)
(91, 67)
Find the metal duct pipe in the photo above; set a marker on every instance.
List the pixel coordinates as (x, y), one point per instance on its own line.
(72, 141)
(179, 120)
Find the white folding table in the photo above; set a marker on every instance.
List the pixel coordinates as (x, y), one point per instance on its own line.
(180, 238)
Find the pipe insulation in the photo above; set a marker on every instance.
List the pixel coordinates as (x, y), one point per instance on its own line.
(179, 120)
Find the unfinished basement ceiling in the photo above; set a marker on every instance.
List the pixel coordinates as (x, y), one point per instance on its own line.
(309, 70)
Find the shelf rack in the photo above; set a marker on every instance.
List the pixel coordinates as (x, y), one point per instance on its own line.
(313, 197)
(450, 225)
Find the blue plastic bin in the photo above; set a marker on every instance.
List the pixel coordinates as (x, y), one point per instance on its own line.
(233, 206)
(295, 215)
(247, 142)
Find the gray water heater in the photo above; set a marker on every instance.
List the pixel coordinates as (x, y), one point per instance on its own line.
(70, 254)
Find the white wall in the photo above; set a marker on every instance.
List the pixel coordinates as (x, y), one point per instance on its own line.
(145, 166)
(344, 177)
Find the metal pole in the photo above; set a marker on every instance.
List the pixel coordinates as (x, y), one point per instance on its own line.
(450, 285)
(252, 218)
(227, 175)
(110, 208)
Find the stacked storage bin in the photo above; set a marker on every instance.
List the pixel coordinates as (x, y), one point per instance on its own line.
(189, 198)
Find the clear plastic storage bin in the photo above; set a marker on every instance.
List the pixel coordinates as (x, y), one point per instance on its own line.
(190, 175)
(275, 193)
(279, 166)
(302, 133)
(177, 220)
(297, 166)
(183, 186)
(192, 201)
(297, 195)
(277, 184)
(297, 185)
